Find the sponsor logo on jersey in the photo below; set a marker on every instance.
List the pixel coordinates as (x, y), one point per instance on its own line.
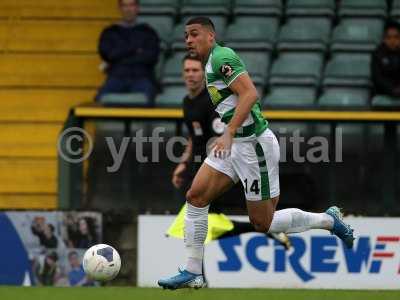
(227, 70)
(215, 95)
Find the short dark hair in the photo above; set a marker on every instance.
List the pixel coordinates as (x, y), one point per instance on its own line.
(72, 253)
(203, 21)
(392, 24)
(53, 255)
(51, 227)
(191, 57)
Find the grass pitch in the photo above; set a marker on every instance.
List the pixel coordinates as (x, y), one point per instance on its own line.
(131, 293)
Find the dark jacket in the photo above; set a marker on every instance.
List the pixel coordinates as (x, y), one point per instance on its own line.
(385, 70)
(131, 52)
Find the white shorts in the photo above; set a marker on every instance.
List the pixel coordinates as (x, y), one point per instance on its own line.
(255, 163)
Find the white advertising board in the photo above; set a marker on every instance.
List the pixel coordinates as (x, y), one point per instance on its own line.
(316, 259)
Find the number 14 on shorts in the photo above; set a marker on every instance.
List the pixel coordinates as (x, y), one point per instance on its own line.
(254, 187)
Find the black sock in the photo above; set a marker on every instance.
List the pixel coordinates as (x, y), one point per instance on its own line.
(238, 228)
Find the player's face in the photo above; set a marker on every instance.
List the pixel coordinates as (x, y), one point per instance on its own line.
(74, 261)
(392, 38)
(193, 74)
(199, 40)
(47, 231)
(129, 10)
(50, 261)
(83, 228)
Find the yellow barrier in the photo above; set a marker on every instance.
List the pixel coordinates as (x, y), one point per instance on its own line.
(40, 105)
(59, 9)
(27, 201)
(28, 176)
(50, 70)
(33, 140)
(292, 115)
(50, 35)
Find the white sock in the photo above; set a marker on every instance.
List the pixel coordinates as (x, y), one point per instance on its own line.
(196, 227)
(293, 220)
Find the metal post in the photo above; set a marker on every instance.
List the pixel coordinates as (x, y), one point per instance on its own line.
(70, 174)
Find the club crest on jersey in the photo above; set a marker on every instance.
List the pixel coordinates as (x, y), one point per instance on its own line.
(226, 70)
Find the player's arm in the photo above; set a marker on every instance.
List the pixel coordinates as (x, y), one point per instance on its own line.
(247, 96)
(235, 76)
(177, 179)
(187, 153)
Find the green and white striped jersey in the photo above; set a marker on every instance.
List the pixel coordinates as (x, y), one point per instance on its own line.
(222, 68)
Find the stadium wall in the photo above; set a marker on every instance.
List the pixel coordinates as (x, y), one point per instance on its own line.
(317, 259)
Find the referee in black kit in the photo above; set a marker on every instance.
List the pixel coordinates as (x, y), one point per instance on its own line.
(204, 124)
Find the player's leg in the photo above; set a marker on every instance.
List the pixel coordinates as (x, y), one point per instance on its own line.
(258, 171)
(294, 220)
(291, 220)
(207, 185)
(214, 177)
(264, 179)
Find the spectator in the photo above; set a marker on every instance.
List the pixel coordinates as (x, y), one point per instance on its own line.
(45, 233)
(76, 276)
(385, 64)
(84, 235)
(47, 271)
(130, 51)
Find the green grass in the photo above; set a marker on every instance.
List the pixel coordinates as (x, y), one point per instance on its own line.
(122, 293)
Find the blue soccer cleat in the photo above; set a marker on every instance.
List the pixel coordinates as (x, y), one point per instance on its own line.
(340, 228)
(184, 279)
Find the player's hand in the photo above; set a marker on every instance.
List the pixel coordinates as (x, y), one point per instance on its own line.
(177, 176)
(222, 145)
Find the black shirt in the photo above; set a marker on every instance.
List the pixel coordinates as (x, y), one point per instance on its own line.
(385, 69)
(203, 124)
(130, 51)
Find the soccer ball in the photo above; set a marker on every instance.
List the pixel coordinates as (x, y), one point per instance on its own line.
(101, 262)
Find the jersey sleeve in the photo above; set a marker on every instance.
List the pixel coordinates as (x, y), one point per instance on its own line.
(228, 65)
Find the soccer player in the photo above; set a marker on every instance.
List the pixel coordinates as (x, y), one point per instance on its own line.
(247, 151)
(204, 124)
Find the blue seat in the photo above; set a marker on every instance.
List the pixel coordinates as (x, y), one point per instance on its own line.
(395, 12)
(171, 96)
(252, 33)
(345, 98)
(258, 8)
(162, 25)
(385, 102)
(310, 8)
(305, 34)
(124, 99)
(290, 97)
(172, 73)
(206, 7)
(159, 7)
(364, 8)
(257, 64)
(359, 35)
(348, 70)
(297, 69)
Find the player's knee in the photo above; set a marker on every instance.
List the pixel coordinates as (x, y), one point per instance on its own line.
(195, 198)
(261, 224)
